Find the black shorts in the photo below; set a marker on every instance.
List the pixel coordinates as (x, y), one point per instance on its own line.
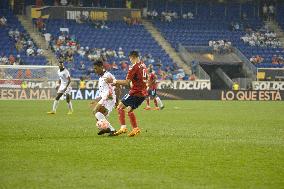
(152, 93)
(132, 101)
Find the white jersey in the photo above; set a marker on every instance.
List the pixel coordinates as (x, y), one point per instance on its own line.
(63, 76)
(106, 92)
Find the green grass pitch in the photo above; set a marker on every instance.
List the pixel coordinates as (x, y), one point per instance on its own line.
(190, 144)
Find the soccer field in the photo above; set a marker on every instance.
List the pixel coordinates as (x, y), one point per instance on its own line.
(189, 144)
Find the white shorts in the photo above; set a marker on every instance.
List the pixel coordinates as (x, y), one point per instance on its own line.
(62, 87)
(109, 105)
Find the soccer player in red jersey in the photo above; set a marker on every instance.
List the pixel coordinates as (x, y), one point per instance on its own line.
(137, 79)
(152, 90)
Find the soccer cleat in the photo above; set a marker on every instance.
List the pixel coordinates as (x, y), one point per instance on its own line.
(147, 108)
(52, 112)
(112, 133)
(121, 131)
(156, 108)
(103, 131)
(70, 113)
(134, 132)
(162, 107)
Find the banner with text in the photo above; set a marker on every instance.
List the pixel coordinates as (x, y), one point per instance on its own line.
(93, 84)
(164, 94)
(185, 85)
(170, 94)
(269, 95)
(27, 94)
(93, 13)
(10, 83)
(268, 85)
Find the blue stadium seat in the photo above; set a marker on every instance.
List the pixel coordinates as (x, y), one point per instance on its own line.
(118, 35)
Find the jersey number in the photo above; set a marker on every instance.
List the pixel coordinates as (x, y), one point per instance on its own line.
(145, 75)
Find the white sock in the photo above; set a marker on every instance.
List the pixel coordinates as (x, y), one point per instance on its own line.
(159, 102)
(123, 126)
(101, 116)
(111, 128)
(70, 107)
(55, 105)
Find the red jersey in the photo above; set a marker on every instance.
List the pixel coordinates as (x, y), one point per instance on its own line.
(137, 73)
(152, 82)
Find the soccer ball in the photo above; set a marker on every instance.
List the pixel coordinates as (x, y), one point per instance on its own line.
(102, 124)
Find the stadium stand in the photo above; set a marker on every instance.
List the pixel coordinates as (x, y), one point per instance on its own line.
(117, 35)
(280, 15)
(9, 34)
(214, 25)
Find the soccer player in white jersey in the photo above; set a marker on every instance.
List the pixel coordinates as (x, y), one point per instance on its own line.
(63, 88)
(106, 100)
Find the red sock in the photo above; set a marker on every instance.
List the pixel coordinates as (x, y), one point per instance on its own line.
(155, 102)
(132, 119)
(148, 101)
(121, 116)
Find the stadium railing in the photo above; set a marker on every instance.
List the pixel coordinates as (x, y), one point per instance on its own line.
(196, 69)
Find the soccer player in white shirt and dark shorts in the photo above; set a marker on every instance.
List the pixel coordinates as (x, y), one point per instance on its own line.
(106, 101)
(63, 88)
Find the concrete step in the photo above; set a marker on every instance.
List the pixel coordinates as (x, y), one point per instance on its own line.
(166, 46)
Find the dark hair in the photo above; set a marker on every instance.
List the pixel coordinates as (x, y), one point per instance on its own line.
(98, 63)
(134, 53)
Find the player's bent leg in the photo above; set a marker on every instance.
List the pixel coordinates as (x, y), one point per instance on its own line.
(121, 115)
(103, 124)
(135, 130)
(148, 107)
(70, 106)
(128, 109)
(101, 109)
(121, 106)
(160, 103)
(157, 101)
(137, 101)
(55, 103)
(156, 105)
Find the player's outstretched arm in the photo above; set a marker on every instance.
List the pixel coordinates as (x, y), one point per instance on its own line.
(123, 82)
(118, 93)
(118, 82)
